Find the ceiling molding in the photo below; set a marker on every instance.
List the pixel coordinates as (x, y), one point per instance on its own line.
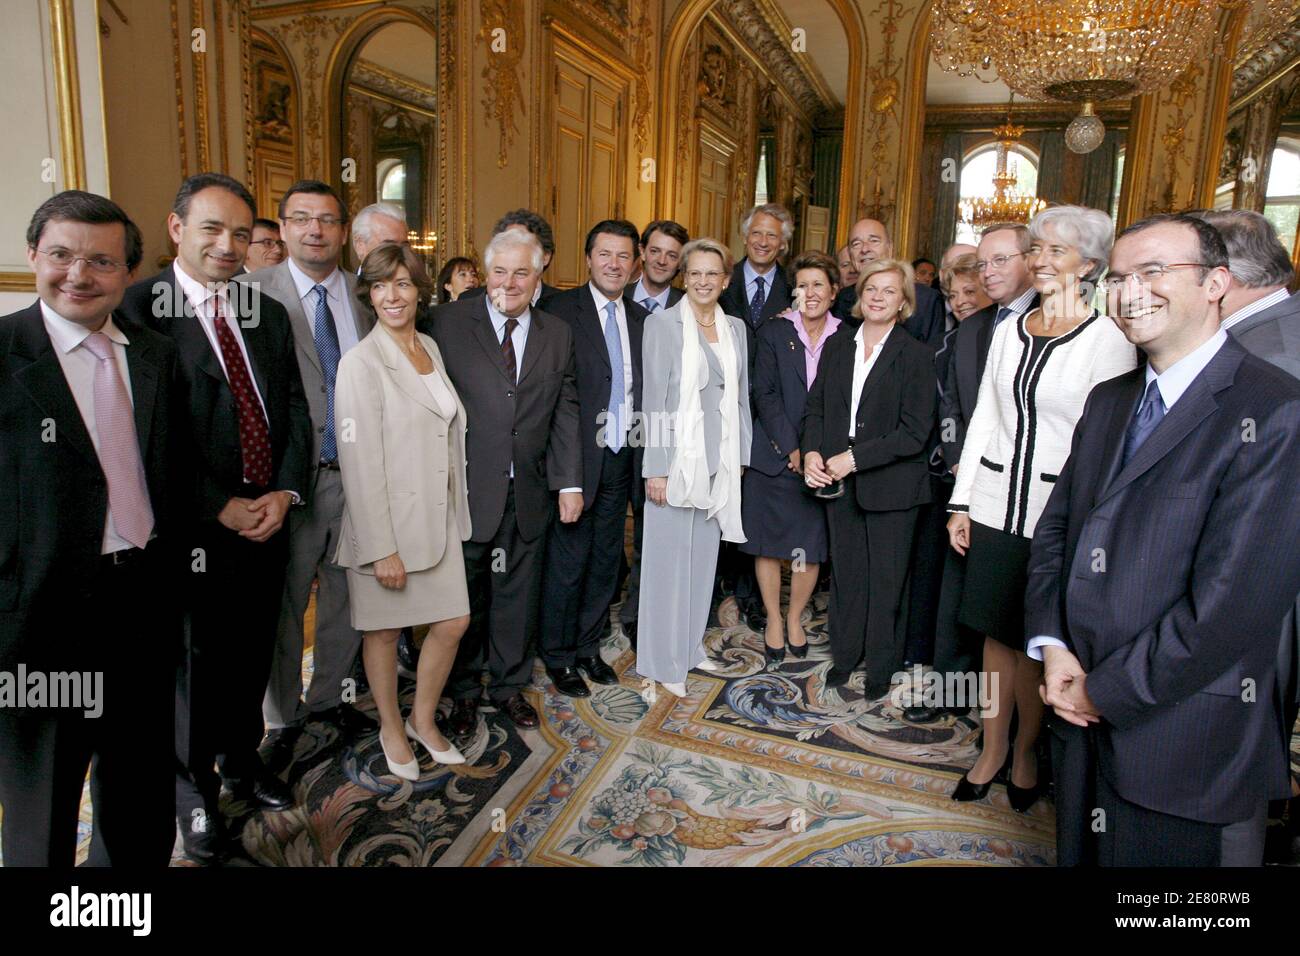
(1263, 68)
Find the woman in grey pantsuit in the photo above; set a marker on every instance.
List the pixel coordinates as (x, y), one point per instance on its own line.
(696, 446)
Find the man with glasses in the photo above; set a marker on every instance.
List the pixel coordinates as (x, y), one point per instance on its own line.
(248, 416)
(91, 557)
(265, 249)
(1161, 570)
(326, 321)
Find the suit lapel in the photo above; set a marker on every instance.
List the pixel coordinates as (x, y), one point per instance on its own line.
(533, 346)
(635, 329)
(284, 289)
(589, 323)
(403, 373)
(487, 337)
(795, 348)
(1121, 413)
(887, 355)
(776, 294)
(44, 381)
(142, 364)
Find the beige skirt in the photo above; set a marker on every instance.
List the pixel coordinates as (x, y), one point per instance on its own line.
(434, 594)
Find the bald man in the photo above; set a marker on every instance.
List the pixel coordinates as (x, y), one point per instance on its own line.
(869, 241)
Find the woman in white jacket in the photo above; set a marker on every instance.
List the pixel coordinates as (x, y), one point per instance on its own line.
(1040, 370)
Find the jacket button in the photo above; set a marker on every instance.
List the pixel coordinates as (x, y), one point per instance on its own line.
(322, 389)
(510, 393)
(514, 432)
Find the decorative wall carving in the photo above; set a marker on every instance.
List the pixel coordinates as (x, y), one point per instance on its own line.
(773, 50)
(1280, 54)
(885, 87)
(309, 35)
(716, 85)
(503, 94)
(273, 109)
(375, 77)
(642, 42)
(611, 16)
(1181, 99)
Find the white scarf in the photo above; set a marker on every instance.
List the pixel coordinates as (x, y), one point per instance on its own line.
(688, 477)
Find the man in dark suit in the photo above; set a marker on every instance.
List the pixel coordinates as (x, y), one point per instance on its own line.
(93, 450)
(757, 291)
(868, 241)
(248, 417)
(524, 220)
(582, 558)
(514, 369)
(1160, 572)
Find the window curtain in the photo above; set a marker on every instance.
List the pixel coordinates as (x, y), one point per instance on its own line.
(944, 226)
(1051, 167)
(1099, 171)
(827, 149)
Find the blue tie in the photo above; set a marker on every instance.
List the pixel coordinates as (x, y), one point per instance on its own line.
(650, 304)
(614, 344)
(1003, 312)
(1149, 415)
(756, 303)
(326, 338)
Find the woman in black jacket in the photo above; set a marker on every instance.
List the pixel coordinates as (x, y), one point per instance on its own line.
(868, 416)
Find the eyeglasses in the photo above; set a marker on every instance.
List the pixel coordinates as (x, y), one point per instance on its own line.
(63, 260)
(997, 262)
(268, 244)
(302, 219)
(1147, 274)
(695, 275)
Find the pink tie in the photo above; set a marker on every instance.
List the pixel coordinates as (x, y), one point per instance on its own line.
(119, 451)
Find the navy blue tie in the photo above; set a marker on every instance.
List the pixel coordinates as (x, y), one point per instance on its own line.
(1149, 414)
(756, 303)
(1003, 312)
(326, 337)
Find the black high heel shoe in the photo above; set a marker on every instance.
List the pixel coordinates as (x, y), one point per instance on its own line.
(797, 650)
(1022, 798)
(775, 655)
(967, 791)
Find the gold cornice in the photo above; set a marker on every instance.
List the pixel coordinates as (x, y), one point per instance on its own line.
(576, 40)
(399, 78)
(777, 21)
(307, 6)
(1264, 85)
(391, 100)
(63, 41)
(17, 282)
(199, 69)
(180, 86)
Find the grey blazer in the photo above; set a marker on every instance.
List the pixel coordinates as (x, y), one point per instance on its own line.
(1274, 334)
(661, 356)
(403, 462)
(277, 282)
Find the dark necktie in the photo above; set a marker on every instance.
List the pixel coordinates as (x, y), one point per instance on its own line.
(756, 303)
(326, 337)
(1149, 415)
(254, 435)
(508, 349)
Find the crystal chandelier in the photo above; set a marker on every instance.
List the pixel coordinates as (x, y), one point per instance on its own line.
(1087, 51)
(1006, 204)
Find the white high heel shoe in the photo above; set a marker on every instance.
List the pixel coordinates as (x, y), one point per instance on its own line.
(404, 771)
(449, 756)
(708, 664)
(677, 690)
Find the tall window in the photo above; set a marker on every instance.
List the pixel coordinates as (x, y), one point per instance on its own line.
(1282, 198)
(392, 181)
(977, 178)
(760, 179)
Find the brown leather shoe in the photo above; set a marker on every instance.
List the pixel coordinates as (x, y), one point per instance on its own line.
(519, 711)
(464, 718)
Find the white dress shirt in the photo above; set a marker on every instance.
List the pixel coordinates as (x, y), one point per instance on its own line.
(336, 295)
(640, 293)
(1259, 305)
(621, 313)
(862, 367)
(78, 364)
(203, 300)
(1172, 383)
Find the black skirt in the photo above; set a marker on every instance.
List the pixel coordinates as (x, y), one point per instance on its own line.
(993, 596)
(780, 519)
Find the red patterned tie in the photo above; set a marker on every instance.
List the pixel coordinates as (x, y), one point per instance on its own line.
(508, 349)
(254, 435)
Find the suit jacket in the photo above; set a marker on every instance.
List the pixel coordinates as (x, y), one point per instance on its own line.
(531, 424)
(56, 496)
(218, 471)
(1168, 579)
(662, 360)
(577, 307)
(780, 388)
(926, 324)
(404, 465)
(735, 301)
(893, 418)
(969, 347)
(1273, 334)
(277, 282)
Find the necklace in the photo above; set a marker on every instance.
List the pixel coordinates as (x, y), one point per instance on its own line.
(706, 325)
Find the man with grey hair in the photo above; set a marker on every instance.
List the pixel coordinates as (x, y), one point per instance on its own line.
(530, 223)
(757, 291)
(378, 223)
(513, 367)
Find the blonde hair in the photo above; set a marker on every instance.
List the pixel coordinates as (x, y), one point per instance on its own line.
(878, 266)
(707, 245)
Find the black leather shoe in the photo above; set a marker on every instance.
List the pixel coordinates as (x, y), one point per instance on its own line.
(1022, 798)
(872, 691)
(799, 651)
(920, 714)
(265, 791)
(350, 721)
(279, 756)
(568, 682)
(755, 619)
(967, 791)
(464, 717)
(596, 670)
(774, 655)
(408, 655)
(629, 629)
(201, 836)
(519, 711)
(837, 678)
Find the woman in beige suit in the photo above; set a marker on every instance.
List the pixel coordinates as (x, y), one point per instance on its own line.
(401, 431)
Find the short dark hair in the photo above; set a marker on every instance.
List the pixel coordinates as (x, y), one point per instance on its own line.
(815, 259)
(918, 261)
(1211, 251)
(193, 185)
(266, 223)
(673, 230)
(534, 223)
(75, 205)
(382, 262)
(316, 188)
(448, 269)
(613, 227)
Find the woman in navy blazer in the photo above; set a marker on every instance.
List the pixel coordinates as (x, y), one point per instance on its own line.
(782, 521)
